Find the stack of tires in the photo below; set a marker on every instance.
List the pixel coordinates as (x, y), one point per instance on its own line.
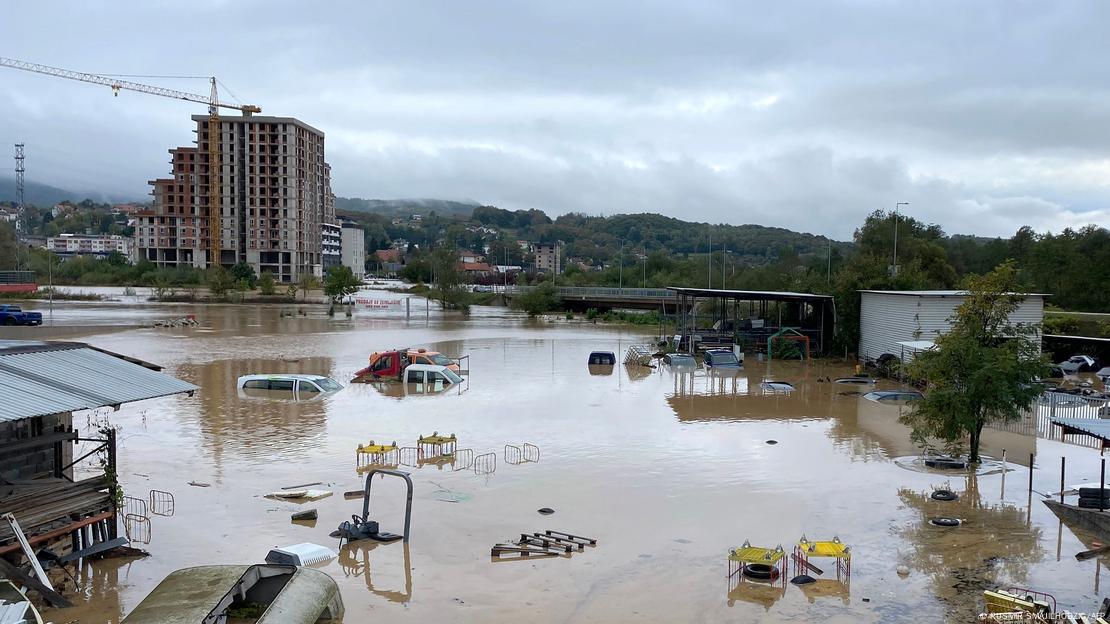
(1094, 498)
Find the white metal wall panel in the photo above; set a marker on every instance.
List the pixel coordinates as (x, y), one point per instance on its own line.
(887, 319)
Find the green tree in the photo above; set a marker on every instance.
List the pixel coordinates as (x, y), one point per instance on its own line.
(307, 282)
(266, 284)
(218, 281)
(244, 272)
(538, 300)
(341, 281)
(116, 259)
(985, 369)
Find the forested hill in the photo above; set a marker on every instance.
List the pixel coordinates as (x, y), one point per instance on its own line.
(593, 237)
(406, 207)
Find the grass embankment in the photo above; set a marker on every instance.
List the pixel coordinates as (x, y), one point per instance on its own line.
(458, 297)
(1093, 324)
(43, 294)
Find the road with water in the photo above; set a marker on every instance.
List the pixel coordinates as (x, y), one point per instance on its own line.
(666, 470)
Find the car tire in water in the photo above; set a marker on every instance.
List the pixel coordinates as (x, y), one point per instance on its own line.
(946, 463)
(944, 522)
(944, 495)
(760, 572)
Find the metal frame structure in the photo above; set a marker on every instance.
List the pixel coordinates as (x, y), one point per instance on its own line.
(408, 500)
(811, 314)
(834, 549)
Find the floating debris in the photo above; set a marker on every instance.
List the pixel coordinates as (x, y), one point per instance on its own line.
(184, 321)
(547, 511)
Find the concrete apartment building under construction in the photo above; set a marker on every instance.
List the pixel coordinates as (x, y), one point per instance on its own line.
(275, 197)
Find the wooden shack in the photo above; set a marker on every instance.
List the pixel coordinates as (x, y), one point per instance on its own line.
(41, 385)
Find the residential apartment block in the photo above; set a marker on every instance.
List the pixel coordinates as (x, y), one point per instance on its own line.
(331, 240)
(548, 256)
(275, 196)
(91, 245)
(353, 245)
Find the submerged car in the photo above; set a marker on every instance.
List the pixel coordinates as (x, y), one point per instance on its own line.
(894, 396)
(680, 361)
(1078, 364)
(602, 358)
(1104, 375)
(424, 356)
(290, 386)
(430, 378)
(262, 593)
(721, 360)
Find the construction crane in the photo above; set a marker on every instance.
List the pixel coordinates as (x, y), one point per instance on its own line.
(214, 104)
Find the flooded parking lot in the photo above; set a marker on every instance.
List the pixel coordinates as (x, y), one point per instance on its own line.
(666, 470)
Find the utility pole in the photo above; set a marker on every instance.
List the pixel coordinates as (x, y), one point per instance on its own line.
(711, 258)
(724, 263)
(620, 272)
(828, 278)
(645, 265)
(894, 267)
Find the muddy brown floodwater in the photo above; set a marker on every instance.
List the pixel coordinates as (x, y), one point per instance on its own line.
(667, 471)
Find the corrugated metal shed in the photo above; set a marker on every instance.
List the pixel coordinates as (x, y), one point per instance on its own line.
(41, 378)
(1094, 427)
(888, 318)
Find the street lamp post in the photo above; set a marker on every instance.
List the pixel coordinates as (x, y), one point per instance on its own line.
(894, 267)
(620, 273)
(645, 266)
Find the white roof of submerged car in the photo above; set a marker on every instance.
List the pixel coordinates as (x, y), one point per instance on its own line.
(436, 368)
(282, 376)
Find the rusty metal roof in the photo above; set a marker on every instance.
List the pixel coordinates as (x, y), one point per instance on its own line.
(41, 378)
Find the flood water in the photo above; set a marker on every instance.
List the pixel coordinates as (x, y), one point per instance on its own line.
(667, 471)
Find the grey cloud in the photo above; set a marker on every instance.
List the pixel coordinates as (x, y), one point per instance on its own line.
(985, 116)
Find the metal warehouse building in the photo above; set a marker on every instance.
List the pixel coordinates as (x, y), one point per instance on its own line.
(902, 322)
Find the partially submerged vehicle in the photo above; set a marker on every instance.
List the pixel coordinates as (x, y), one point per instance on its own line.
(262, 594)
(15, 607)
(287, 386)
(680, 361)
(774, 386)
(894, 396)
(721, 360)
(1104, 375)
(391, 365)
(1078, 364)
(430, 377)
(856, 380)
(602, 358)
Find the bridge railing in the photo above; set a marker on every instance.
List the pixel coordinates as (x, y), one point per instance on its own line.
(593, 292)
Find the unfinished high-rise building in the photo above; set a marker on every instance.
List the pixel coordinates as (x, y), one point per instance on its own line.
(275, 195)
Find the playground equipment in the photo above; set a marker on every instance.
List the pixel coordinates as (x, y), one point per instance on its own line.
(757, 563)
(804, 550)
(436, 445)
(372, 454)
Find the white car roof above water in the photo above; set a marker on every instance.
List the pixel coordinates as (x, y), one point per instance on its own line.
(245, 378)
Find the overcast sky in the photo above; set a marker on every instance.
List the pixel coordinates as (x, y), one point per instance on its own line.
(984, 116)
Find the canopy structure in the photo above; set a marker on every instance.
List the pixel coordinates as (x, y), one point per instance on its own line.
(1094, 427)
(42, 378)
(709, 318)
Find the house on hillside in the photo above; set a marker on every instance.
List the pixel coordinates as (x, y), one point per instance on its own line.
(899, 323)
(41, 385)
(474, 270)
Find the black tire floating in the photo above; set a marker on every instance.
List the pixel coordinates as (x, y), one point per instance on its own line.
(946, 463)
(760, 571)
(944, 495)
(944, 522)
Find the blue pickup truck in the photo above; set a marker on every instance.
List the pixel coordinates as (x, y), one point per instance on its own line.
(14, 315)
